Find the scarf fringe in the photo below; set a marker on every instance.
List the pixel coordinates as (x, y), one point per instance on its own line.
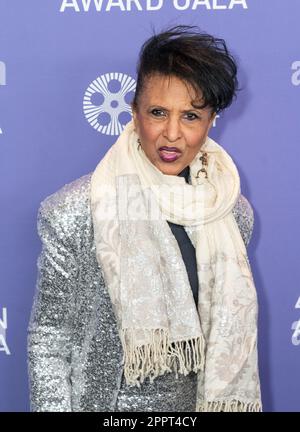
(229, 406)
(160, 356)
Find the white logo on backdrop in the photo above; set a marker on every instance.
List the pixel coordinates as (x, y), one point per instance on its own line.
(296, 327)
(2, 78)
(106, 102)
(296, 74)
(3, 328)
(149, 5)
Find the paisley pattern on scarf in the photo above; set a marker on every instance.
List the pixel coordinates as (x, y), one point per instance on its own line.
(160, 327)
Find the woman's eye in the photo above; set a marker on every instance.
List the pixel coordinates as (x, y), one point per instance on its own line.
(160, 113)
(192, 116)
(156, 112)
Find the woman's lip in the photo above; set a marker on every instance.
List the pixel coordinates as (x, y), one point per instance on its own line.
(170, 149)
(169, 156)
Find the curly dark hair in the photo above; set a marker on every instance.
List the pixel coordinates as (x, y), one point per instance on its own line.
(196, 58)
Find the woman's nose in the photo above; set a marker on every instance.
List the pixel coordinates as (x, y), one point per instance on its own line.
(172, 129)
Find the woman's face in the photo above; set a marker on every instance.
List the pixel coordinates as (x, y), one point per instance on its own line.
(170, 129)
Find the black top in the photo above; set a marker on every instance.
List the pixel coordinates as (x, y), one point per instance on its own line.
(186, 247)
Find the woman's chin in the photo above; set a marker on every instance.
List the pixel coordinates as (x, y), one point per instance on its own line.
(169, 169)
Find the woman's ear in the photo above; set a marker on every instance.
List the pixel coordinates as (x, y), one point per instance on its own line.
(213, 116)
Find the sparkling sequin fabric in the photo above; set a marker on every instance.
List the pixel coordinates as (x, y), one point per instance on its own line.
(74, 350)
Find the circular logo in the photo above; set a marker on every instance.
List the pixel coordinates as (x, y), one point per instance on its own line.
(106, 102)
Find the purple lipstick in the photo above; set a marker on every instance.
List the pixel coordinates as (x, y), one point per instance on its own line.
(169, 154)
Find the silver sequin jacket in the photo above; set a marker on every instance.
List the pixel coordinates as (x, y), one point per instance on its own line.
(74, 350)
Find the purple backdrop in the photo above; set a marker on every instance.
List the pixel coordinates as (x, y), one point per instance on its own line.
(51, 51)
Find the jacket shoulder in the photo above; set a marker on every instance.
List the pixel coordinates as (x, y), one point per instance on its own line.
(67, 207)
(244, 216)
(76, 190)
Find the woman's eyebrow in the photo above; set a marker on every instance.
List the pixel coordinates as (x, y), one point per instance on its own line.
(166, 109)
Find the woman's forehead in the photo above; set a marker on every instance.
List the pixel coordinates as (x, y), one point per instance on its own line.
(160, 87)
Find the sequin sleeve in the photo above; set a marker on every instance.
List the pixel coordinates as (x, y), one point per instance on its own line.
(244, 215)
(50, 327)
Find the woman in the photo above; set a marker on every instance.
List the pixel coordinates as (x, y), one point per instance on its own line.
(145, 298)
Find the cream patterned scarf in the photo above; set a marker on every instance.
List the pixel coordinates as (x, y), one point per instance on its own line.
(160, 327)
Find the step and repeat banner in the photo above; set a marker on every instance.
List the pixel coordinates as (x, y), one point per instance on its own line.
(67, 76)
